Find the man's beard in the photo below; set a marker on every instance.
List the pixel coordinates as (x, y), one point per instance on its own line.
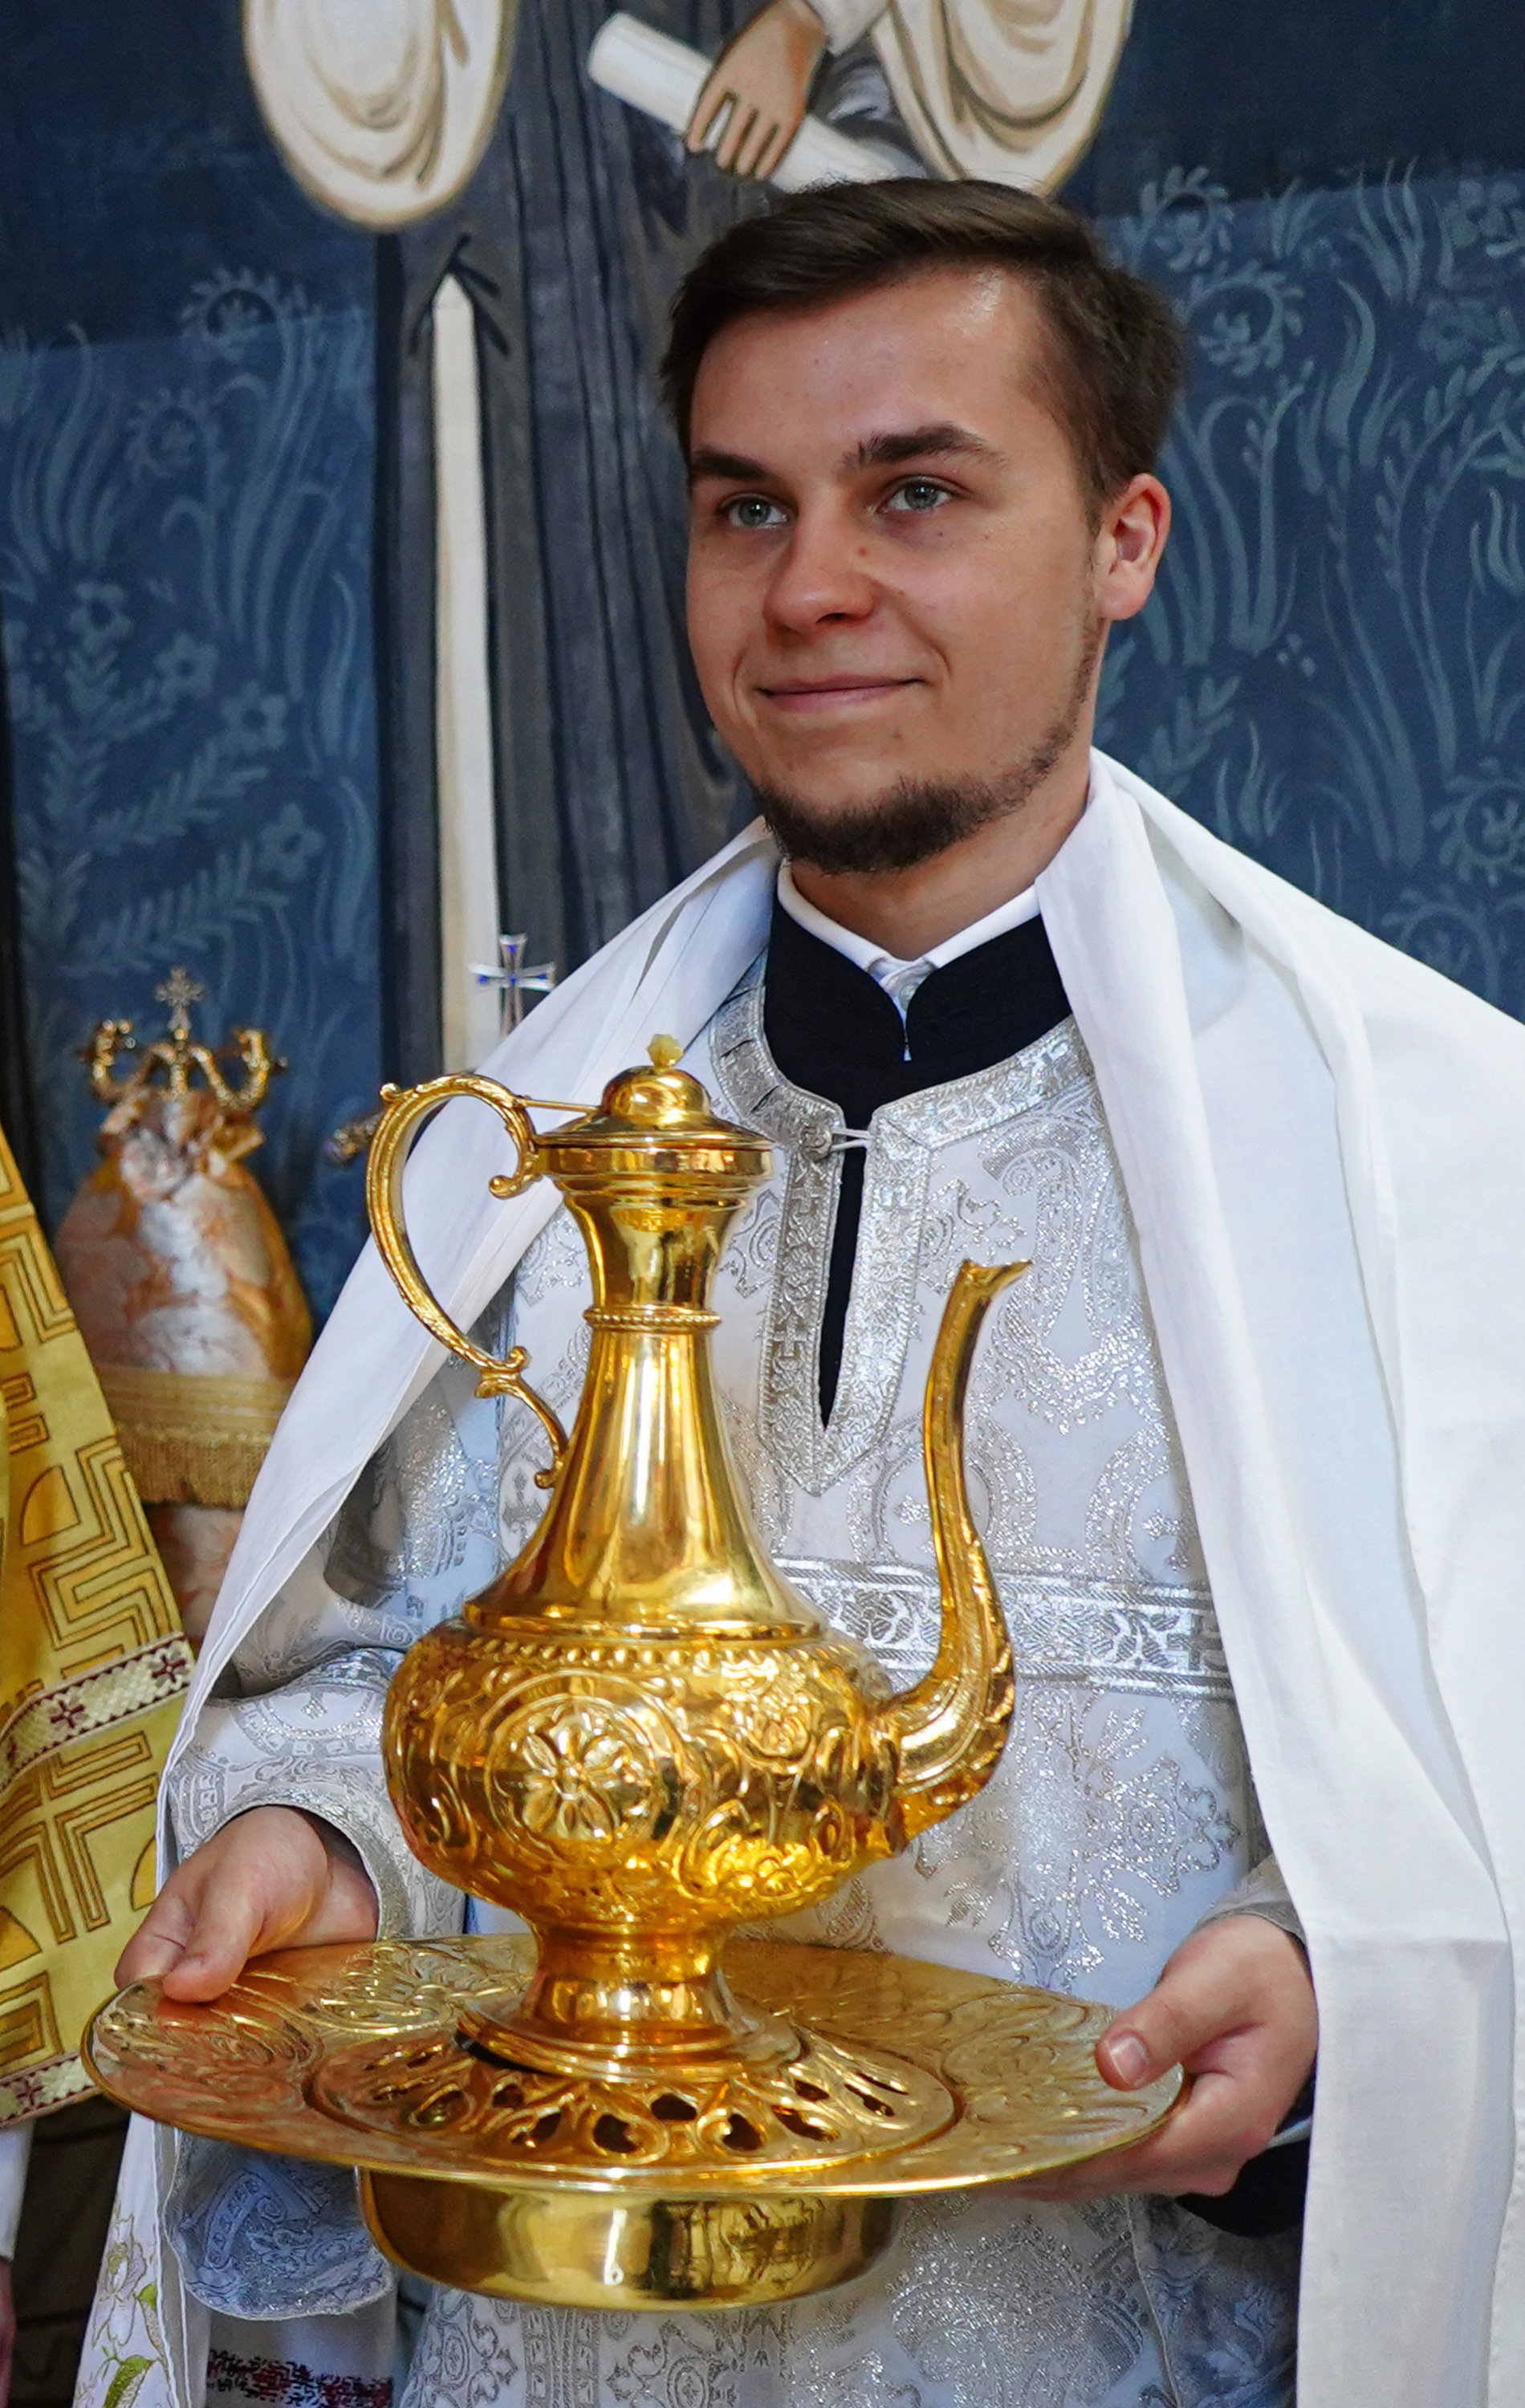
(918, 818)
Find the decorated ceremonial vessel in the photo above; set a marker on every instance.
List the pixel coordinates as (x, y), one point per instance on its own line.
(642, 1740)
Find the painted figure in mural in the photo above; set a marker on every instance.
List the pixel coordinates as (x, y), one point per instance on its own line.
(383, 111)
(547, 765)
(1243, 1437)
(1011, 90)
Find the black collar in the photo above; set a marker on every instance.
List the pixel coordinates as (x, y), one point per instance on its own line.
(832, 1029)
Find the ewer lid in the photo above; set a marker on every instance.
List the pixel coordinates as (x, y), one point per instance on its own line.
(655, 1107)
(657, 1096)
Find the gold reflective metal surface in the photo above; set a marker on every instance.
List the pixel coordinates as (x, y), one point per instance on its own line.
(641, 1737)
(571, 2251)
(466, 2173)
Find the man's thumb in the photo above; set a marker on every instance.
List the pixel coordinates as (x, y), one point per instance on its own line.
(1180, 2015)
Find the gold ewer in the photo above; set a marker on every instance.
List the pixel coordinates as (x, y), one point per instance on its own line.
(638, 1738)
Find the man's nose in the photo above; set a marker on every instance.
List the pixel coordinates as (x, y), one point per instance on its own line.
(824, 574)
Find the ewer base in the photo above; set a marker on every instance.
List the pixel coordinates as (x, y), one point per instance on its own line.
(574, 2249)
(736, 2179)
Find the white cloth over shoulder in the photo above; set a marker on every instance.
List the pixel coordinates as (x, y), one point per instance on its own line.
(1323, 1146)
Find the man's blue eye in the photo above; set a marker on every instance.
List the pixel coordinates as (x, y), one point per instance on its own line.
(920, 494)
(751, 510)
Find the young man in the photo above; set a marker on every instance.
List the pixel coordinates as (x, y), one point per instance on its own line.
(1246, 1438)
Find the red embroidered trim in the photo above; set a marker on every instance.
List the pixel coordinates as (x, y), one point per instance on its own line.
(286, 2384)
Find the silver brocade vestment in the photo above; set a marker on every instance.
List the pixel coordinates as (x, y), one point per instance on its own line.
(1121, 1814)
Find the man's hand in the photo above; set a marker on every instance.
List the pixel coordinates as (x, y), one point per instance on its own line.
(273, 1878)
(765, 75)
(1235, 2007)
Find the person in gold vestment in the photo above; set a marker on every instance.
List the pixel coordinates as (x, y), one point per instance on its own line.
(92, 1666)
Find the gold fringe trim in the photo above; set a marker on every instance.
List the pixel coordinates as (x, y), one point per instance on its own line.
(192, 1438)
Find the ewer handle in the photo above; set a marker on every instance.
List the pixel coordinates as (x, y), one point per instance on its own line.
(403, 1108)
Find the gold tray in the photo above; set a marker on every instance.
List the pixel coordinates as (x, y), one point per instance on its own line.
(601, 2189)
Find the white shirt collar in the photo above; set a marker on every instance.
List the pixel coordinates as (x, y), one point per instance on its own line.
(900, 979)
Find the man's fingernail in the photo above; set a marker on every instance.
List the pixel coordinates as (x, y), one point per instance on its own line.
(1129, 2058)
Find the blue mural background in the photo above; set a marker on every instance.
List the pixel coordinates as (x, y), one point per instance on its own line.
(1332, 674)
(187, 431)
(184, 586)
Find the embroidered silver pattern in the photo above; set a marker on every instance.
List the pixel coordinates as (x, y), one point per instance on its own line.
(903, 1141)
(1132, 1636)
(748, 1088)
(555, 1265)
(995, 2312)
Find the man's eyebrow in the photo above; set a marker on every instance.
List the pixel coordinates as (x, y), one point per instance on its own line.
(733, 466)
(942, 441)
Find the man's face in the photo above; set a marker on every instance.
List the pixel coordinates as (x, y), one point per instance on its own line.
(894, 580)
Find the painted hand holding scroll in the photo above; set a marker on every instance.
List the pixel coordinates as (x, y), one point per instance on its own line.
(763, 79)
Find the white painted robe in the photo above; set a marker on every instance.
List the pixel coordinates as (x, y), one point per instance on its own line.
(1013, 90)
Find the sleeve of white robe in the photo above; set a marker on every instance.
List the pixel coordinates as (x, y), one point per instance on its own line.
(314, 1743)
(1262, 1892)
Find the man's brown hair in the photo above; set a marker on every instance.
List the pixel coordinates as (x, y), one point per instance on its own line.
(1118, 353)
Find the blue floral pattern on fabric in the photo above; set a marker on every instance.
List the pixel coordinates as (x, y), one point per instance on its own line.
(1226, 2308)
(184, 589)
(1333, 673)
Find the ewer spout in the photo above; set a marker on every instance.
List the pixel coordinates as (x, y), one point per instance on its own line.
(948, 1731)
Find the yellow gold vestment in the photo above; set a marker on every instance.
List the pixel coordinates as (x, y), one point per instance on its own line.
(92, 1666)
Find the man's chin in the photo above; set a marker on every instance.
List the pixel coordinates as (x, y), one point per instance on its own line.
(888, 827)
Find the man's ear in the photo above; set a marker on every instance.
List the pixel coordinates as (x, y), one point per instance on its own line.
(1130, 541)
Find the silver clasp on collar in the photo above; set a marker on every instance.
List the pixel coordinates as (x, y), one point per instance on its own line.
(820, 1146)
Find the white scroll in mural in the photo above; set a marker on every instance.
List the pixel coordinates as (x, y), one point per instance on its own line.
(1011, 90)
(664, 77)
(381, 107)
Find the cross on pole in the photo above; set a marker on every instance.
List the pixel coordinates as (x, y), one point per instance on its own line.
(514, 980)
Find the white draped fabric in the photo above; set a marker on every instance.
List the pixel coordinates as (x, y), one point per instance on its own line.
(1323, 1148)
(1011, 90)
(381, 107)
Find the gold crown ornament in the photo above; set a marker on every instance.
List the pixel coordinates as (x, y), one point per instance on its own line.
(182, 1281)
(640, 1738)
